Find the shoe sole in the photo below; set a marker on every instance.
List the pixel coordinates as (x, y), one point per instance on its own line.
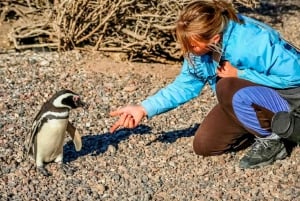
(281, 155)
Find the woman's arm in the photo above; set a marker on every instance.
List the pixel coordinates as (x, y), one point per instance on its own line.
(184, 88)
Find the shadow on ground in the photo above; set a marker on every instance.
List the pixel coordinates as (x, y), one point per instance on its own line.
(172, 136)
(272, 9)
(98, 144)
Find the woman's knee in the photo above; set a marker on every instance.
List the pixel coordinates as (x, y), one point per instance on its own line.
(201, 146)
(200, 149)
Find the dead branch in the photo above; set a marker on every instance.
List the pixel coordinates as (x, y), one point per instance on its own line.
(139, 28)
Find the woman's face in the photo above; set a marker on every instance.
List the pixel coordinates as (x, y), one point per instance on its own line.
(202, 47)
(198, 47)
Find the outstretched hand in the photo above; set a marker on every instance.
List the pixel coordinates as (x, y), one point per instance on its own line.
(227, 70)
(130, 117)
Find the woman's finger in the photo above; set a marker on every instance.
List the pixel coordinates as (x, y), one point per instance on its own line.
(115, 113)
(126, 121)
(131, 123)
(119, 123)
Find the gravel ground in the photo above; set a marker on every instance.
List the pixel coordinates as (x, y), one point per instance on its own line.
(155, 161)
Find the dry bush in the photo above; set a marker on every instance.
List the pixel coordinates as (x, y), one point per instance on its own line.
(141, 29)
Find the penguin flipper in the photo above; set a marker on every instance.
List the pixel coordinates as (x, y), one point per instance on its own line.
(75, 136)
(30, 138)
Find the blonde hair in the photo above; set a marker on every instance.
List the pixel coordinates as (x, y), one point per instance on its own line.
(201, 20)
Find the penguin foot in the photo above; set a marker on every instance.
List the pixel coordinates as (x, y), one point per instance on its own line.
(44, 171)
(68, 169)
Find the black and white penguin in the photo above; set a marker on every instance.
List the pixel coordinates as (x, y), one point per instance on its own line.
(45, 142)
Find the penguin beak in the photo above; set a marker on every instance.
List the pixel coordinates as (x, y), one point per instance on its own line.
(81, 104)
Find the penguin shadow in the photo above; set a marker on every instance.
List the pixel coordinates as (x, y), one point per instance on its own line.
(98, 144)
(275, 11)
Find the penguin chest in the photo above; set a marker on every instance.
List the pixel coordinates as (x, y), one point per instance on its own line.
(49, 141)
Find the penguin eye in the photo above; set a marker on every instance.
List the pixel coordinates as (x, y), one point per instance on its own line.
(76, 99)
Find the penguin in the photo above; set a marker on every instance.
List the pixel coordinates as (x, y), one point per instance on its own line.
(49, 128)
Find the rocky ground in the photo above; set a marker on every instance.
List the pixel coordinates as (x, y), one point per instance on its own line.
(155, 161)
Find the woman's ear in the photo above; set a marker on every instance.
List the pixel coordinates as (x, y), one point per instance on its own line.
(216, 38)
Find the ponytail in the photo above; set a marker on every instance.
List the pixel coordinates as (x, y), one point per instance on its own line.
(227, 10)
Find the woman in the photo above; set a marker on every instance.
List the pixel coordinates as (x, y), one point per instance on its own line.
(249, 66)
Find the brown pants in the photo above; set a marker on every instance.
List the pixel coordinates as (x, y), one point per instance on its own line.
(221, 131)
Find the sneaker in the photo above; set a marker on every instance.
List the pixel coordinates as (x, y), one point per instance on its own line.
(263, 152)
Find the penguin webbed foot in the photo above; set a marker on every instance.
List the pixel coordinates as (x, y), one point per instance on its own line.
(44, 171)
(68, 169)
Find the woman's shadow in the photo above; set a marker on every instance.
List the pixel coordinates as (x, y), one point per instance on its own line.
(98, 144)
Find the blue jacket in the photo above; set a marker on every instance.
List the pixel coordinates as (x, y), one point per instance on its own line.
(259, 53)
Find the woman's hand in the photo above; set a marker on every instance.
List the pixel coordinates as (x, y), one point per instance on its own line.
(227, 70)
(130, 117)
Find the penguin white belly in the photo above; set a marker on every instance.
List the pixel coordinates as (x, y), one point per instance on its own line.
(50, 139)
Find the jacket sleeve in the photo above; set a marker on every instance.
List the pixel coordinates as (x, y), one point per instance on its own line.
(184, 88)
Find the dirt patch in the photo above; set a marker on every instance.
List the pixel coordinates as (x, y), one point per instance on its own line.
(96, 62)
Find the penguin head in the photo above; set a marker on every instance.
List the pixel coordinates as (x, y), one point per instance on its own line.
(67, 99)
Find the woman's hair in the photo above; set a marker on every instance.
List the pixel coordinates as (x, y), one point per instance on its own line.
(201, 20)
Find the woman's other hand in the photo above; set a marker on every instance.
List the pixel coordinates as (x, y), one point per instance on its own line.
(226, 70)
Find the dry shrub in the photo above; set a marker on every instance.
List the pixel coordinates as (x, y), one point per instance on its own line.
(141, 29)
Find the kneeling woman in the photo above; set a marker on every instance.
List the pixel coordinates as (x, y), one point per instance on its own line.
(250, 67)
